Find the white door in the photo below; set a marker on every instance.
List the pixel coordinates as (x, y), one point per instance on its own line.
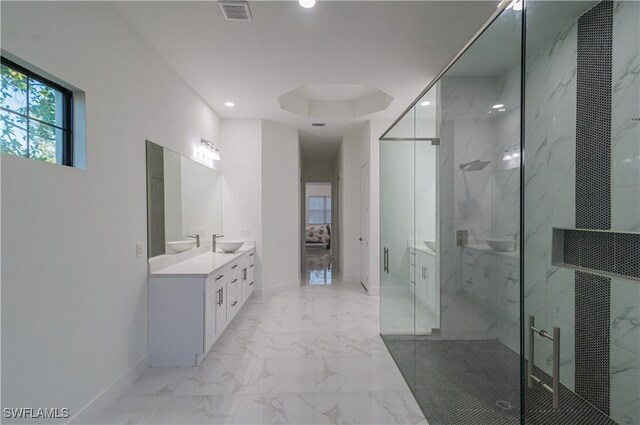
(364, 225)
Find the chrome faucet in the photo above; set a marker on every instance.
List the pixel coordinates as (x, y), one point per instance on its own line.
(513, 235)
(213, 241)
(197, 236)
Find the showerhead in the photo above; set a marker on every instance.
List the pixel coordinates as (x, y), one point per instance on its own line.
(475, 165)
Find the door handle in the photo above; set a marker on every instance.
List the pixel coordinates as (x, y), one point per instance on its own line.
(386, 260)
(531, 378)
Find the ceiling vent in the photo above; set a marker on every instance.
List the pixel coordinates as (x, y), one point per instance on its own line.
(235, 10)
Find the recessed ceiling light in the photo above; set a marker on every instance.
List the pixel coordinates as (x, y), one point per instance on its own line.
(307, 4)
(425, 103)
(229, 104)
(498, 106)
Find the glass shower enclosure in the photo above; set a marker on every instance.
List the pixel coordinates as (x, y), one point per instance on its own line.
(510, 223)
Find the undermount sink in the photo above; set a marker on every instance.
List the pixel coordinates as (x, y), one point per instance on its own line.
(502, 245)
(181, 246)
(431, 244)
(229, 246)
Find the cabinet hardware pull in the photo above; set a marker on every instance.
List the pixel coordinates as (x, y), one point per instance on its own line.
(234, 280)
(220, 277)
(251, 255)
(251, 265)
(233, 304)
(251, 284)
(234, 266)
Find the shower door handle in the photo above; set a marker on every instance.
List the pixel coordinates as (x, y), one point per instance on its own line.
(531, 378)
(385, 260)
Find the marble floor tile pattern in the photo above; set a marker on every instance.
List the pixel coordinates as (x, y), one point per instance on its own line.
(312, 355)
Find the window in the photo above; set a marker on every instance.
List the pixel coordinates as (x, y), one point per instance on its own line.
(319, 210)
(35, 116)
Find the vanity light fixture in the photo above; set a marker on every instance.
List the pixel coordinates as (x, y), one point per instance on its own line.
(307, 4)
(209, 151)
(425, 103)
(510, 156)
(229, 104)
(498, 106)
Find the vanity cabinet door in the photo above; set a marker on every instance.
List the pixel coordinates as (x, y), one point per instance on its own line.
(210, 313)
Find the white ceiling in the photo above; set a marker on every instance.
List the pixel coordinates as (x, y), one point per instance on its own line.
(395, 46)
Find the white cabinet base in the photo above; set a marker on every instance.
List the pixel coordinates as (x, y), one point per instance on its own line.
(188, 314)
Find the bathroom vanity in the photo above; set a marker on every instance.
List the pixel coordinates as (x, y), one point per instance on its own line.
(192, 302)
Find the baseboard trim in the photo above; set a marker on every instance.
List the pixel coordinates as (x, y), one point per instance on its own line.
(353, 278)
(111, 393)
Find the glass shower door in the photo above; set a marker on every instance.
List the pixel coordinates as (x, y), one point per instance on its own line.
(397, 229)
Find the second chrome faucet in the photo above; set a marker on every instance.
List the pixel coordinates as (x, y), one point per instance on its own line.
(213, 241)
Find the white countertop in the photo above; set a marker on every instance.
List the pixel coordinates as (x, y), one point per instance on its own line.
(487, 248)
(422, 247)
(201, 265)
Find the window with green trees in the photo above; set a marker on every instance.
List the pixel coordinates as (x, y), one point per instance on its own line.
(35, 116)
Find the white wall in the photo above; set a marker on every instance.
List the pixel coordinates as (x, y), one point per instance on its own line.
(317, 170)
(242, 182)
(359, 147)
(74, 311)
(349, 205)
(281, 207)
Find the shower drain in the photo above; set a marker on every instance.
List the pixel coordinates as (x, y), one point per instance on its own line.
(504, 405)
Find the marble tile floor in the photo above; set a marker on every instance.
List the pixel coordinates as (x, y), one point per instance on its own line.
(307, 356)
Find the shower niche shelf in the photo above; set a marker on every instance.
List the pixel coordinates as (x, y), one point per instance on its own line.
(605, 253)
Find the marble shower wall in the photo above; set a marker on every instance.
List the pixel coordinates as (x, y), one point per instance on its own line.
(625, 209)
(550, 130)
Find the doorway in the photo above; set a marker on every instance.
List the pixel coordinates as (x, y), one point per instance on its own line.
(318, 233)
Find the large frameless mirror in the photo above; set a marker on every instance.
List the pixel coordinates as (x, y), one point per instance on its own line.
(184, 202)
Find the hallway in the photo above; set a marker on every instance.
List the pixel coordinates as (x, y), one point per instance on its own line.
(305, 356)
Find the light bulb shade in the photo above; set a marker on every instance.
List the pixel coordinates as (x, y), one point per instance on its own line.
(307, 4)
(209, 151)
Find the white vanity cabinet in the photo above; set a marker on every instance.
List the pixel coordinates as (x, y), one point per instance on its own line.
(191, 303)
